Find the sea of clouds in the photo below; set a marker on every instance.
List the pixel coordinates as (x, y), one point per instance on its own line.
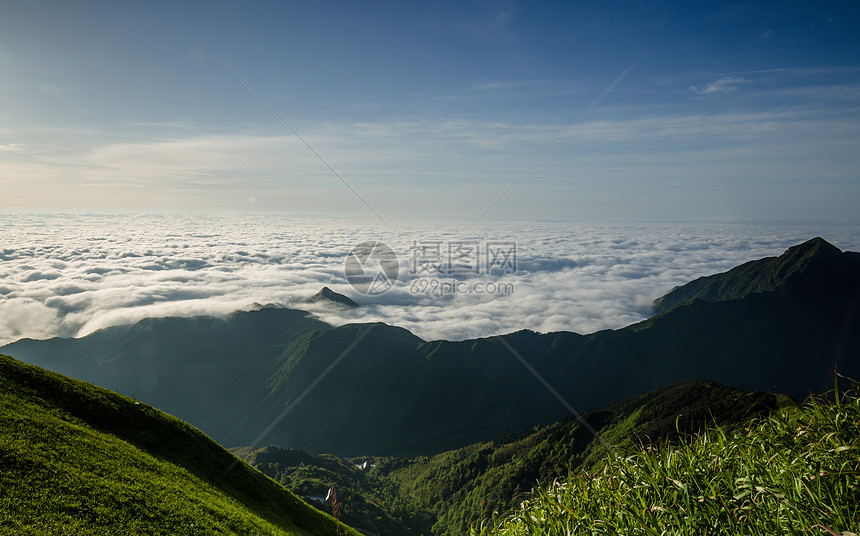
(71, 274)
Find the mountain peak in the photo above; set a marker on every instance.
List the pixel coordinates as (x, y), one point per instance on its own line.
(806, 268)
(816, 247)
(328, 295)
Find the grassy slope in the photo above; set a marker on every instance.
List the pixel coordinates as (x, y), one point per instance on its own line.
(466, 486)
(794, 472)
(449, 492)
(78, 459)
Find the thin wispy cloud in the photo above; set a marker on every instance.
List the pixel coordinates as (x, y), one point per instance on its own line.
(378, 142)
(408, 167)
(728, 83)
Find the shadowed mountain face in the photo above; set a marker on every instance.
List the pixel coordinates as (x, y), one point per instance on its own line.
(780, 324)
(815, 269)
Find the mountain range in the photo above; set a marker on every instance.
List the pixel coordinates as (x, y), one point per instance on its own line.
(781, 324)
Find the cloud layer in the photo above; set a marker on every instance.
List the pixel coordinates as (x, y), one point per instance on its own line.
(69, 275)
(766, 150)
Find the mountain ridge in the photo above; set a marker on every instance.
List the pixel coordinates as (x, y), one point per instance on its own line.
(792, 271)
(233, 378)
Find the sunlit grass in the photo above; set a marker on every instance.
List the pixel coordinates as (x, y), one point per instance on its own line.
(79, 460)
(795, 472)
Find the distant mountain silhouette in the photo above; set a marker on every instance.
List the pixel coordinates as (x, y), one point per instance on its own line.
(781, 324)
(813, 268)
(327, 295)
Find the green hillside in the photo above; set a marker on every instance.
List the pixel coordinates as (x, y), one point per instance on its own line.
(448, 493)
(795, 472)
(77, 459)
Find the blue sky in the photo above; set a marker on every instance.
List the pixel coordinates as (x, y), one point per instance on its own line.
(745, 111)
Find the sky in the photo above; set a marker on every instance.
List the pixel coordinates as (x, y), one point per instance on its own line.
(392, 111)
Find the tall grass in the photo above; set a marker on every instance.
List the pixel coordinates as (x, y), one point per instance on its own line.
(795, 472)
